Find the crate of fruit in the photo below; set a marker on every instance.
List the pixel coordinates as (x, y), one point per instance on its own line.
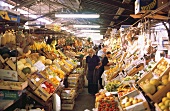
(134, 103)
(126, 89)
(45, 90)
(34, 80)
(161, 67)
(106, 102)
(155, 87)
(51, 76)
(164, 104)
(10, 85)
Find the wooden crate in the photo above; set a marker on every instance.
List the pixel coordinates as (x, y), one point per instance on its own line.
(11, 64)
(67, 106)
(162, 59)
(65, 69)
(21, 74)
(40, 92)
(68, 93)
(8, 75)
(135, 70)
(1, 59)
(132, 93)
(68, 101)
(156, 97)
(157, 107)
(141, 106)
(13, 85)
(33, 83)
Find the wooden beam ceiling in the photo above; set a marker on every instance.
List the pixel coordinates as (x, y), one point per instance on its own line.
(115, 3)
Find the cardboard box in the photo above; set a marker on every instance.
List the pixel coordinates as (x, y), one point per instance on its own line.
(9, 95)
(8, 75)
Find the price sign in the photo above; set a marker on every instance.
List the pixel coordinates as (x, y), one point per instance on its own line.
(39, 65)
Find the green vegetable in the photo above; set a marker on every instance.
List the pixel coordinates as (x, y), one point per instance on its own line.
(26, 70)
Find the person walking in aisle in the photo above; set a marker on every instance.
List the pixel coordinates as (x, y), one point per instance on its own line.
(105, 62)
(93, 64)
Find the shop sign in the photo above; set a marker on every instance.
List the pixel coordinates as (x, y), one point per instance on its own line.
(4, 15)
(145, 5)
(9, 95)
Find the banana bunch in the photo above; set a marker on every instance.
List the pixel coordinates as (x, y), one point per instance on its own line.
(47, 48)
(37, 46)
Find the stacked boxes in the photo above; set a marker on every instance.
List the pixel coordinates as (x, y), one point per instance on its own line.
(68, 99)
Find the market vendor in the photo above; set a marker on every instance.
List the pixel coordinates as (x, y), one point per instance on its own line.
(101, 53)
(93, 64)
(105, 62)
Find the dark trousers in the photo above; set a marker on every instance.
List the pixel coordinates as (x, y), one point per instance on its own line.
(100, 79)
(93, 81)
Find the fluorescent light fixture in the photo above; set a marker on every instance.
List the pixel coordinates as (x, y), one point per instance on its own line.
(86, 26)
(91, 33)
(90, 30)
(77, 15)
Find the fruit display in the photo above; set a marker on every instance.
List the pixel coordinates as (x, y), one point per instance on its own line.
(161, 67)
(164, 105)
(40, 45)
(68, 64)
(125, 89)
(25, 66)
(50, 75)
(152, 85)
(112, 72)
(112, 86)
(9, 85)
(48, 87)
(35, 78)
(150, 66)
(57, 71)
(129, 101)
(106, 103)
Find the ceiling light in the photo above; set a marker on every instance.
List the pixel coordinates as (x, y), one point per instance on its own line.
(77, 15)
(86, 26)
(90, 30)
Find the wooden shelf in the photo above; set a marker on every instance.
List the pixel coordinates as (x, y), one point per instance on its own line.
(5, 104)
(155, 16)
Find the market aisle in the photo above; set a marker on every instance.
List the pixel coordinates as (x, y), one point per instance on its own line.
(84, 101)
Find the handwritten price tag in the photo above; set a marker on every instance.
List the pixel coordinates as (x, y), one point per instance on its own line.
(39, 65)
